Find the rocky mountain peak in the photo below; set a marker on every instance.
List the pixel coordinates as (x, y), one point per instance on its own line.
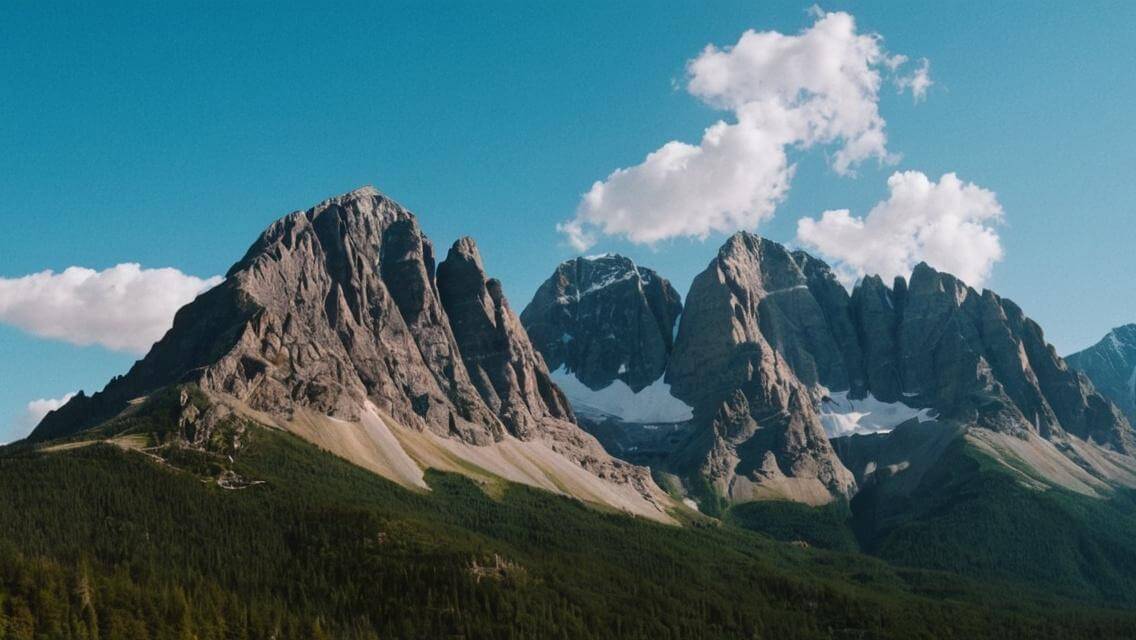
(508, 373)
(1124, 335)
(338, 324)
(1111, 366)
(330, 308)
(752, 342)
(602, 319)
(770, 264)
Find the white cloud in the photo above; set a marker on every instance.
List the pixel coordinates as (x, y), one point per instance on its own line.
(125, 308)
(37, 409)
(950, 224)
(918, 81)
(33, 413)
(817, 87)
(820, 87)
(733, 179)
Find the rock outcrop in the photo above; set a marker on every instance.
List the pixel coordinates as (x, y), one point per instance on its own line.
(752, 342)
(976, 358)
(1111, 366)
(930, 342)
(604, 319)
(507, 372)
(330, 307)
(340, 312)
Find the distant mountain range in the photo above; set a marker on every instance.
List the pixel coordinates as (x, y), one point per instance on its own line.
(921, 422)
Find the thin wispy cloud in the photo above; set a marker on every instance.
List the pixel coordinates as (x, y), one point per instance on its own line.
(918, 81)
(123, 308)
(817, 88)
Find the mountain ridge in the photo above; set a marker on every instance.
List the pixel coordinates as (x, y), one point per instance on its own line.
(771, 345)
(347, 395)
(339, 325)
(1111, 365)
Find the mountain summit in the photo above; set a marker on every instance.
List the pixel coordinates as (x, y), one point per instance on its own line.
(338, 325)
(603, 318)
(1111, 365)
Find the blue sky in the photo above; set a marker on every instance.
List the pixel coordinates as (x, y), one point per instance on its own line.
(170, 136)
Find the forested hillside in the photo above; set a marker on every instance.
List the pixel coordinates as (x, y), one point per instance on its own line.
(101, 542)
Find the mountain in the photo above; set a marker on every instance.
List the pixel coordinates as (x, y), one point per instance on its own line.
(921, 421)
(604, 319)
(760, 434)
(998, 394)
(606, 328)
(349, 438)
(1111, 365)
(339, 326)
(777, 360)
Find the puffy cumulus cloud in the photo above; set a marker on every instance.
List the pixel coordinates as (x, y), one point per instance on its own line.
(124, 308)
(819, 87)
(950, 224)
(918, 81)
(733, 179)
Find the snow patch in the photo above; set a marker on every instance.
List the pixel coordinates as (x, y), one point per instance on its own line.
(607, 281)
(842, 416)
(690, 503)
(653, 404)
(796, 287)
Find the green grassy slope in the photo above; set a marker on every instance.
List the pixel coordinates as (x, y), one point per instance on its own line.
(101, 542)
(972, 516)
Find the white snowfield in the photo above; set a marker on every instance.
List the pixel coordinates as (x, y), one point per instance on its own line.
(652, 404)
(843, 416)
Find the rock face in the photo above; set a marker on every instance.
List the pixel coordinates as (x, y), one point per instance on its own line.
(339, 309)
(772, 349)
(931, 342)
(976, 358)
(1111, 365)
(752, 342)
(604, 319)
(329, 307)
(507, 372)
